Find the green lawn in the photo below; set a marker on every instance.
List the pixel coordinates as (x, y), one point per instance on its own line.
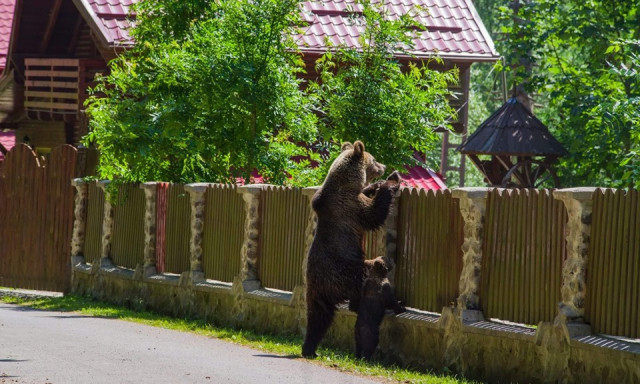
(283, 345)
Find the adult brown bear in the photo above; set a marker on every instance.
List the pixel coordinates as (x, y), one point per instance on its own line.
(335, 267)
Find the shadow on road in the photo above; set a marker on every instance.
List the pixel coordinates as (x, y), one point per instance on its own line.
(290, 357)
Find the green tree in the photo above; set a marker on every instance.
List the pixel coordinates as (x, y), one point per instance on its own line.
(209, 93)
(367, 94)
(579, 61)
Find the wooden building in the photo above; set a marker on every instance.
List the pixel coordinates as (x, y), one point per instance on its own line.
(50, 52)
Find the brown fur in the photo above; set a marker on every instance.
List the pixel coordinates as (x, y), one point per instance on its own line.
(376, 297)
(335, 267)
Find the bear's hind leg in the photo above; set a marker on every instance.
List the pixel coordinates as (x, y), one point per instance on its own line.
(358, 339)
(369, 340)
(319, 317)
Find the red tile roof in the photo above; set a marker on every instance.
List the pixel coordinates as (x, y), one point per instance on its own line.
(7, 8)
(110, 17)
(423, 178)
(415, 177)
(453, 28)
(8, 141)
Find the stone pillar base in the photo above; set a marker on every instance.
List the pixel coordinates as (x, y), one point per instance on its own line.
(106, 262)
(149, 270)
(250, 285)
(77, 260)
(471, 315)
(578, 329)
(197, 277)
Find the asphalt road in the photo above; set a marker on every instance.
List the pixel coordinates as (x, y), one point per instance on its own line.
(60, 348)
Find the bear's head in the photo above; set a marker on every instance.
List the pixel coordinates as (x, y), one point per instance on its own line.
(381, 267)
(354, 166)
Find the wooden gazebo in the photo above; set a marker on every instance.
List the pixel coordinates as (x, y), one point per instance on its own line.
(521, 148)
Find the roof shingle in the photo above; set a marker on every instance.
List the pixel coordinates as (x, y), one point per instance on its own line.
(453, 28)
(8, 141)
(512, 130)
(112, 18)
(7, 9)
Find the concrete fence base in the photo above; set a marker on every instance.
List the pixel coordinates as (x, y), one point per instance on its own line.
(459, 340)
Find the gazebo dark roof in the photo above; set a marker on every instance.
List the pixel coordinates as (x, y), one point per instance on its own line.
(512, 131)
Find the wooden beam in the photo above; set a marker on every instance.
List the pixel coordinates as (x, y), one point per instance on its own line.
(6, 125)
(507, 164)
(53, 17)
(76, 35)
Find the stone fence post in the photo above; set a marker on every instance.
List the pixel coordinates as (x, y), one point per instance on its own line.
(250, 253)
(472, 207)
(197, 197)
(150, 198)
(579, 203)
(310, 230)
(79, 222)
(107, 226)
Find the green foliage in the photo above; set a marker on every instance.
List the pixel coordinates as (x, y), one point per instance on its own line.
(579, 61)
(365, 94)
(210, 95)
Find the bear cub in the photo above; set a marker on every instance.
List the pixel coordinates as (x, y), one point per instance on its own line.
(376, 297)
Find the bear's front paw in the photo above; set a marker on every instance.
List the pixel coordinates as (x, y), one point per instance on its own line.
(371, 189)
(400, 308)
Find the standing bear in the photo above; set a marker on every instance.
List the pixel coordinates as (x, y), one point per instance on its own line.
(376, 297)
(335, 266)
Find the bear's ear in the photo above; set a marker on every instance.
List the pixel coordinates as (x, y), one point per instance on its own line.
(358, 148)
(345, 146)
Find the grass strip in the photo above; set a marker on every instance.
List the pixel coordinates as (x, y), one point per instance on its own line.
(277, 344)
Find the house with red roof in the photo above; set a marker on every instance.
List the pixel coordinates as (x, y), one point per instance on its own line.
(50, 51)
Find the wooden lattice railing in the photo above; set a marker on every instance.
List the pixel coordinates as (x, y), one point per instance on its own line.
(58, 87)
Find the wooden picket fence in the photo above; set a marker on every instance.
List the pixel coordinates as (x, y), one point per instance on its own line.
(613, 278)
(285, 216)
(178, 230)
(523, 250)
(36, 218)
(523, 241)
(429, 254)
(127, 244)
(223, 233)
